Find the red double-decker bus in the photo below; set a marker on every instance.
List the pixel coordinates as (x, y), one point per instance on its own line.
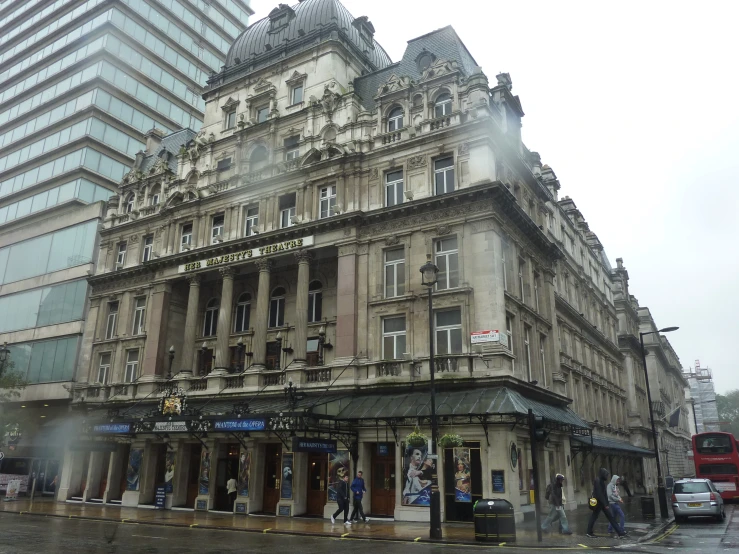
(716, 458)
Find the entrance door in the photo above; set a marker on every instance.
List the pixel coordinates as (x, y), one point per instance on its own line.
(317, 473)
(273, 458)
(383, 480)
(193, 473)
(226, 468)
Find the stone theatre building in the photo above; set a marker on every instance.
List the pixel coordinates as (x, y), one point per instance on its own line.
(258, 301)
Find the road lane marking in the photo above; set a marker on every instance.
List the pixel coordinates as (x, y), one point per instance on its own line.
(417, 539)
(149, 536)
(267, 529)
(344, 535)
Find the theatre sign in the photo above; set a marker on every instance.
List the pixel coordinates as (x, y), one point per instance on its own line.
(246, 255)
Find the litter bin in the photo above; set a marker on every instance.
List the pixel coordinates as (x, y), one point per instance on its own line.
(647, 507)
(494, 521)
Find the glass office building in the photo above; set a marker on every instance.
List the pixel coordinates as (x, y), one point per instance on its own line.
(81, 84)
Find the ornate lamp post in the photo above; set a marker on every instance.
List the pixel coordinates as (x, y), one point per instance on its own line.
(661, 493)
(428, 280)
(278, 340)
(239, 353)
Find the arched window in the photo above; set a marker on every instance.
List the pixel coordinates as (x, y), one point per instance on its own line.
(243, 309)
(210, 321)
(154, 195)
(258, 158)
(277, 308)
(443, 105)
(130, 203)
(315, 301)
(395, 120)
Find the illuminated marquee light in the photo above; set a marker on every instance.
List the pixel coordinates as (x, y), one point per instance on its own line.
(247, 254)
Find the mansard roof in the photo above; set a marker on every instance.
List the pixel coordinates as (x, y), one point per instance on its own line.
(167, 150)
(289, 30)
(442, 44)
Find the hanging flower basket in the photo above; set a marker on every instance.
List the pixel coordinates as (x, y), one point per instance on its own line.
(416, 438)
(450, 440)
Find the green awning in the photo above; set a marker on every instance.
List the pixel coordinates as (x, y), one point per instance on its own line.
(610, 446)
(479, 402)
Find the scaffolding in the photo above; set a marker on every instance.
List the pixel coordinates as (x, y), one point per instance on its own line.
(704, 399)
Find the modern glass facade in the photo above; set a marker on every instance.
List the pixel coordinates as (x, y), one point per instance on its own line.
(81, 83)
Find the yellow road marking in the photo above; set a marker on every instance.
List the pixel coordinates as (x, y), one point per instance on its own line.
(417, 539)
(502, 544)
(344, 535)
(583, 545)
(265, 530)
(193, 525)
(666, 534)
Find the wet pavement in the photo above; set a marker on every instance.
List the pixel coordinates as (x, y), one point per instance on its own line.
(100, 528)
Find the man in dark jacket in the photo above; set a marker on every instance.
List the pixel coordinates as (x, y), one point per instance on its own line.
(342, 499)
(358, 489)
(556, 507)
(600, 493)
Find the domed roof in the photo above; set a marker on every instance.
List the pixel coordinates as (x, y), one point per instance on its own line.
(288, 28)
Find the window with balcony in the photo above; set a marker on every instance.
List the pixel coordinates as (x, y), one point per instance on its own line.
(393, 338)
(393, 188)
(447, 260)
(251, 221)
(210, 319)
(449, 331)
(315, 301)
(186, 237)
(223, 165)
(121, 257)
(154, 195)
(287, 210)
(277, 308)
(104, 368)
(130, 203)
(394, 272)
(132, 366)
(443, 105)
(111, 323)
(292, 149)
(327, 201)
(139, 315)
(395, 120)
(242, 313)
(148, 248)
(444, 175)
(216, 230)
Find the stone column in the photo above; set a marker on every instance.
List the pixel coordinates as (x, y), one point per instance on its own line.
(308, 202)
(346, 303)
(187, 361)
(223, 356)
(172, 238)
(156, 331)
(301, 307)
(259, 342)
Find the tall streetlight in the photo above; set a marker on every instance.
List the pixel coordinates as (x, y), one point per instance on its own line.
(661, 493)
(428, 279)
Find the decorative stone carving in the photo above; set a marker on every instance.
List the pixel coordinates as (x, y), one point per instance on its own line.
(417, 162)
(439, 67)
(374, 174)
(227, 272)
(329, 102)
(464, 149)
(133, 239)
(393, 84)
(442, 230)
(263, 264)
(303, 256)
(194, 279)
(392, 241)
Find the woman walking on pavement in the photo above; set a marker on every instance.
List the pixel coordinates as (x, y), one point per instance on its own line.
(342, 499)
(615, 501)
(600, 493)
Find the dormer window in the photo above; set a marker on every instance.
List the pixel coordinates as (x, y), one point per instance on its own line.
(366, 29)
(424, 60)
(395, 120)
(280, 17)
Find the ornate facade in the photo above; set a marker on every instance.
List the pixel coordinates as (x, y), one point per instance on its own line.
(274, 290)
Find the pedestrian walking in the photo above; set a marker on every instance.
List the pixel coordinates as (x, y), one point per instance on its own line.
(615, 501)
(600, 494)
(625, 485)
(231, 488)
(358, 489)
(556, 506)
(342, 499)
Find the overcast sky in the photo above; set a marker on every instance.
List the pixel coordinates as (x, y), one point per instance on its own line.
(635, 106)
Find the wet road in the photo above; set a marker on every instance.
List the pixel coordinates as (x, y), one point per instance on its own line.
(698, 535)
(30, 534)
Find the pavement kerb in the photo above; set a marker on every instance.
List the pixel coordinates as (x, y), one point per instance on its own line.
(291, 532)
(656, 532)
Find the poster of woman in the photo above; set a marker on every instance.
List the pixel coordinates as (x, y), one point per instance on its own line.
(244, 467)
(462, 483)
(286, 486)
(338, 466)
(169, 465)
(417, 471)
(134, 469)
(204, 485)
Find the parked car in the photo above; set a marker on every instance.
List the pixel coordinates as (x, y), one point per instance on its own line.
(697, 497)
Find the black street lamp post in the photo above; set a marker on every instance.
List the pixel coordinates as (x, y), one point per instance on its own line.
(428, 279)
(661, 492)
